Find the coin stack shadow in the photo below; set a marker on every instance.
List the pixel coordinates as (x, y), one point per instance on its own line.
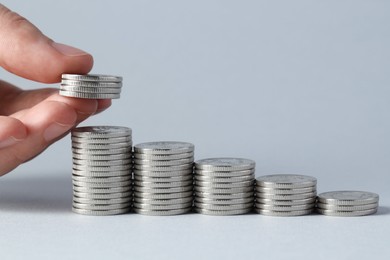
(101, 173)
(347, 203)
(224, 186)
(91, 86)
(285, 195)
(163, 178)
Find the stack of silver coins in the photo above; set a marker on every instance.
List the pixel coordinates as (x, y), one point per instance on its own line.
(102, 170)
(163, 178)
(91, 86)
(285, 195)
(224, 186)
(347, 203)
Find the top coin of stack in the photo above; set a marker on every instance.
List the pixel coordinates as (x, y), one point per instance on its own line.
(91, 86)
(347, 203)
(285, 195)
(163, 182)
(224, 186)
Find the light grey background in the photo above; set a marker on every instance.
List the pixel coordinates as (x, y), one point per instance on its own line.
(297, 86)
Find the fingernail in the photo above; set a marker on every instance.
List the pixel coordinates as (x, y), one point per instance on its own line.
(55, 130)
(68, 50)
(8, 142)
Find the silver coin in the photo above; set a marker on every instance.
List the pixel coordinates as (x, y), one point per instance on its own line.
(286, 196)
(161, 207)
(100, 212)
(223, 174)
(274, 213)
(92, 77)
(102, 185)
(103, 201)
(163, 168)
(161, 190)
(163, 184)
(93, 152)
(99, 90)
(163, 157)
(91, 84)
(102, 168)
(88, 95)
(108, 140)
(286, 202)
(164, 147)
(250, 177)
(187, 177)
(222, 212)
(219, 185)
(99, 174)
(162, 212)
(101, 190)
(160, 174)
(102, 163)
(107, 157)
(163, 201)
(348, 197)
(224, 196)
(185, 161)
(284, 208)
(225, 164)
(223, 190)
(102, 196)
(163, 196)
(101, 131)
(101, 179)
(356, 213)
(224, 201)
(286, 191)
(223, 207)
(347, 207)
(100, 146)
(286, 181)
(101, 206)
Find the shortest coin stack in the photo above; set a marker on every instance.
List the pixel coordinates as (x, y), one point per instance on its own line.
(347, 203)
(91, 86)
(101, 170)
(163, 181)
(285, 195)
(224, 186)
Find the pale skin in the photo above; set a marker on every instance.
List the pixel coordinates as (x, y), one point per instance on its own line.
(32, 120)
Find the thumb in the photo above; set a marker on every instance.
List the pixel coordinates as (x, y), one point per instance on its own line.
(28, 53)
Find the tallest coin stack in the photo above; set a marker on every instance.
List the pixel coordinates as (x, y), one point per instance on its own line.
(101, 170)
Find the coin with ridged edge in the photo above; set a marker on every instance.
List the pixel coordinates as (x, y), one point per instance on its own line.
(162, 207)
(93, 152)
(223, 190)
(163, 184)
(347, 207)
(101, 206)
(88, 95)
(102, 201)
(101, 174)
(165, 163)
(286, 181)
(218, 185)
(163, 157)
(162, 174)
(348, 197)
(101, 190)
(186, 177)
(92, 77)
(284, 207)
(99, 90)
(164, 147)
(102, 163)
(162, 190)
(91, 84)
(224, 206)
(273, 213)
(108, 140)
(225, 196)
(162, 212)
(222, 212)
(356, 213)
(224, 174)
(249, 177)
(225, 164)
(101, 179)
(286, 196)
(108, 157)
(102, 195)
(101, 131)
(101, 212)
(286, 202)
(163, 196)
(224, 201)
(102, 185)
(286, 191)
(163, 201)
(163, 168)
(99, 146)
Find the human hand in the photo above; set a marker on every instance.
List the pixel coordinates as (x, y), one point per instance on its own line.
(32, 120)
